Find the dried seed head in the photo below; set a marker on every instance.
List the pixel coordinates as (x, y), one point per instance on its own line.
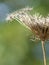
(38, 24)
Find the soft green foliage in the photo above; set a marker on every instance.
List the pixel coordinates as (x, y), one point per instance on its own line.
(41, 7)
(15, 45)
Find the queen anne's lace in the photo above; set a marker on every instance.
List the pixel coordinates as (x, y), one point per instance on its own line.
(38, 24)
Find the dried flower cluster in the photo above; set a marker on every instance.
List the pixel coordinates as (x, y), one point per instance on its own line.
(38, 24)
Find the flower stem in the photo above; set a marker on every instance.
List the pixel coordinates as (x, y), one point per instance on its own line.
(44, 55)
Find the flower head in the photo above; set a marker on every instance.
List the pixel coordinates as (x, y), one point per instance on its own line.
(37, 23)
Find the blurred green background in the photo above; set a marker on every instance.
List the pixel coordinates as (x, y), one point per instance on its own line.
(16, 48)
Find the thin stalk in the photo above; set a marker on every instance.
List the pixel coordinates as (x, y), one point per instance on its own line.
(44, 55)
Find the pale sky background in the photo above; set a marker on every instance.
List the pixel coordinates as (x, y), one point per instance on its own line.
(3, 11)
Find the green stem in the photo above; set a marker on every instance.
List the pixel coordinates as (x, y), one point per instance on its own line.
(44, 55)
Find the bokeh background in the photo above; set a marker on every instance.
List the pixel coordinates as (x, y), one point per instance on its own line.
(16, 46)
